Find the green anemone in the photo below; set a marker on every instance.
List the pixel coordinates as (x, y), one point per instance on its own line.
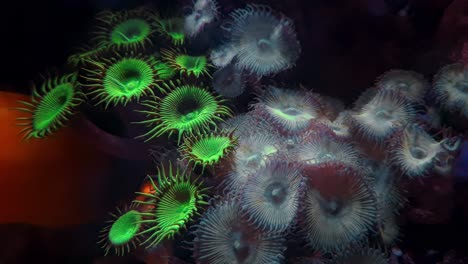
(172, 28)
(208, 149)
(121, 233)
(129, 29)
(177, 199)
(121, 79)
(50, 107)
(186, 64)
(185, 109)
(164, 71)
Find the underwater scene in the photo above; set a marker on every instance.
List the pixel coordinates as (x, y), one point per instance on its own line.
(234, 132)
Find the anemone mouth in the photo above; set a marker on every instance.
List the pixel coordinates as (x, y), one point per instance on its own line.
(128, 77)
(276, 193)
(130, 31)
(125, 228)
(189, 107)
(52, 106)
(419, 152)
(240, 245)
(384, 114)
(334, 207)
(265, 46)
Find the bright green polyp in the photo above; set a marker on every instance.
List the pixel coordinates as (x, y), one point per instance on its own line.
(130, 31)
(195, 65)
(128, 78)
(210, 149)
(52, 106)
(164, 71)
(125, 228)
(203, 107)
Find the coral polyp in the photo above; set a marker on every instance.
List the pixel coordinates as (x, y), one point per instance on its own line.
(185, 109)
(50, 106)
(411, 85)
(186, 64)
(120, 79)
(414, 151)
(291, 112)
(223, 236)
(129, 29)
(121, 233)
(322, 149)
(172, 28)
(271, 196)
(265, 43)
(451, 88)
(252, 153)
(339, 208)
(208, 149)
(203, 13)
(382, 115)
(176, 200)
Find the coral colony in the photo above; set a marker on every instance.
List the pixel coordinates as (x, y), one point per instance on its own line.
(241, 186)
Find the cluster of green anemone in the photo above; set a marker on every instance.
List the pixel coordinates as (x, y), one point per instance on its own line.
(129, 57)
(135, 56)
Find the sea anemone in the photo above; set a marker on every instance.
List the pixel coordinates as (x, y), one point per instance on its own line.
(289, 111)
(186, 64)
(229, 81)
(223, 55)
(121, 78)
(164, 70)
(252, 152)
(265, 43)
(203, 13)
(413, 151)
(121, 233)
(322, 149)
(186, 109)
(381, 116)
(270, 198)
(176, 200)
(172, 28)
(223, 236)
(409, 84)
(50, 107)
(339, 207)
(340, 127)
(208, 149)
(129, 29)
(451, 88)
